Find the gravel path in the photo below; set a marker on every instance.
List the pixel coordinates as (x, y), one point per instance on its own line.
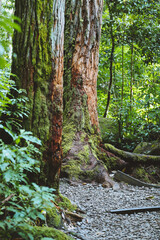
(98, 224)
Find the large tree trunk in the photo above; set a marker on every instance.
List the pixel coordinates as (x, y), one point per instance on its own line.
(81, 127)
(82, 36)
(38, 64)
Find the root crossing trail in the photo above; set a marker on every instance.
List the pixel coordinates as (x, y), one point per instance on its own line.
(99, 224)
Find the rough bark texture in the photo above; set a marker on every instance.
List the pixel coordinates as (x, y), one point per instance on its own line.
(82, 36)
(38, 64)
(81, 127)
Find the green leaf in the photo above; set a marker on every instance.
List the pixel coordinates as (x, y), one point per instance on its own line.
(37, 188)
(41, 216)
(30, 236)
(33, 215)
(2, 225)
(37, 201)
(4, 166)
(26, 190)
(47, 238)
(8, 175)
(8, 154)
(7, 131)
(29, 137)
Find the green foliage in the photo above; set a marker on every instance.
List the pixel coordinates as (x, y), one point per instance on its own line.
(65, 203)
(22, 203)
(8, 22)
(135, 93)
(12, 109)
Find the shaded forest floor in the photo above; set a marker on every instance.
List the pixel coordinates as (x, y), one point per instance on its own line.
(94, 202)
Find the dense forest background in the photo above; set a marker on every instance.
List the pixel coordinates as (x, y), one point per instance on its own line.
(128, 92)
(129, 80)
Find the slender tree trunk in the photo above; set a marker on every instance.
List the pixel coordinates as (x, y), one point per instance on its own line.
(115, 92)
(38, 64)
(81, 127)
(122, 89)
(122, 92)
(131, 82)
(111, 64)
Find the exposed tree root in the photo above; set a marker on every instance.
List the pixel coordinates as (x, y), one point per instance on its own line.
(132, 157)
(82, 163)
(120, 176)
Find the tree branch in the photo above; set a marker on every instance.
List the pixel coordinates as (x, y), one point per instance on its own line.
(8, 198)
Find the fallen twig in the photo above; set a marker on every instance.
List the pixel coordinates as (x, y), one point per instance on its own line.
(135, 210)
(74, 215)
(8, 198)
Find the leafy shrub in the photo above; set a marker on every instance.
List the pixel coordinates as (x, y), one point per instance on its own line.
(8, 22)
(22, 204)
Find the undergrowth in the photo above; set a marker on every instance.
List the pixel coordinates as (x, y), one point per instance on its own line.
(22, 204)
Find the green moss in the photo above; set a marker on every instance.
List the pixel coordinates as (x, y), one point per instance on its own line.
(41, 71)
(93, 141)
(83, 136)
(83, 155)
(41, 232)
(139, 147)
(41, 124)
(65, 203)
(53, 218)
(69, 131)
(90, 174)
(149, 148)
(102, 156)
(141, 174)
(73, 168)
(110, 162)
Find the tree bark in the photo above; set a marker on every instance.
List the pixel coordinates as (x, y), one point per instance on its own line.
(38, 64)
(122, 93)
(132, 157)
(132, 78)
(82, 36)
(111, 62)
(81, 127)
